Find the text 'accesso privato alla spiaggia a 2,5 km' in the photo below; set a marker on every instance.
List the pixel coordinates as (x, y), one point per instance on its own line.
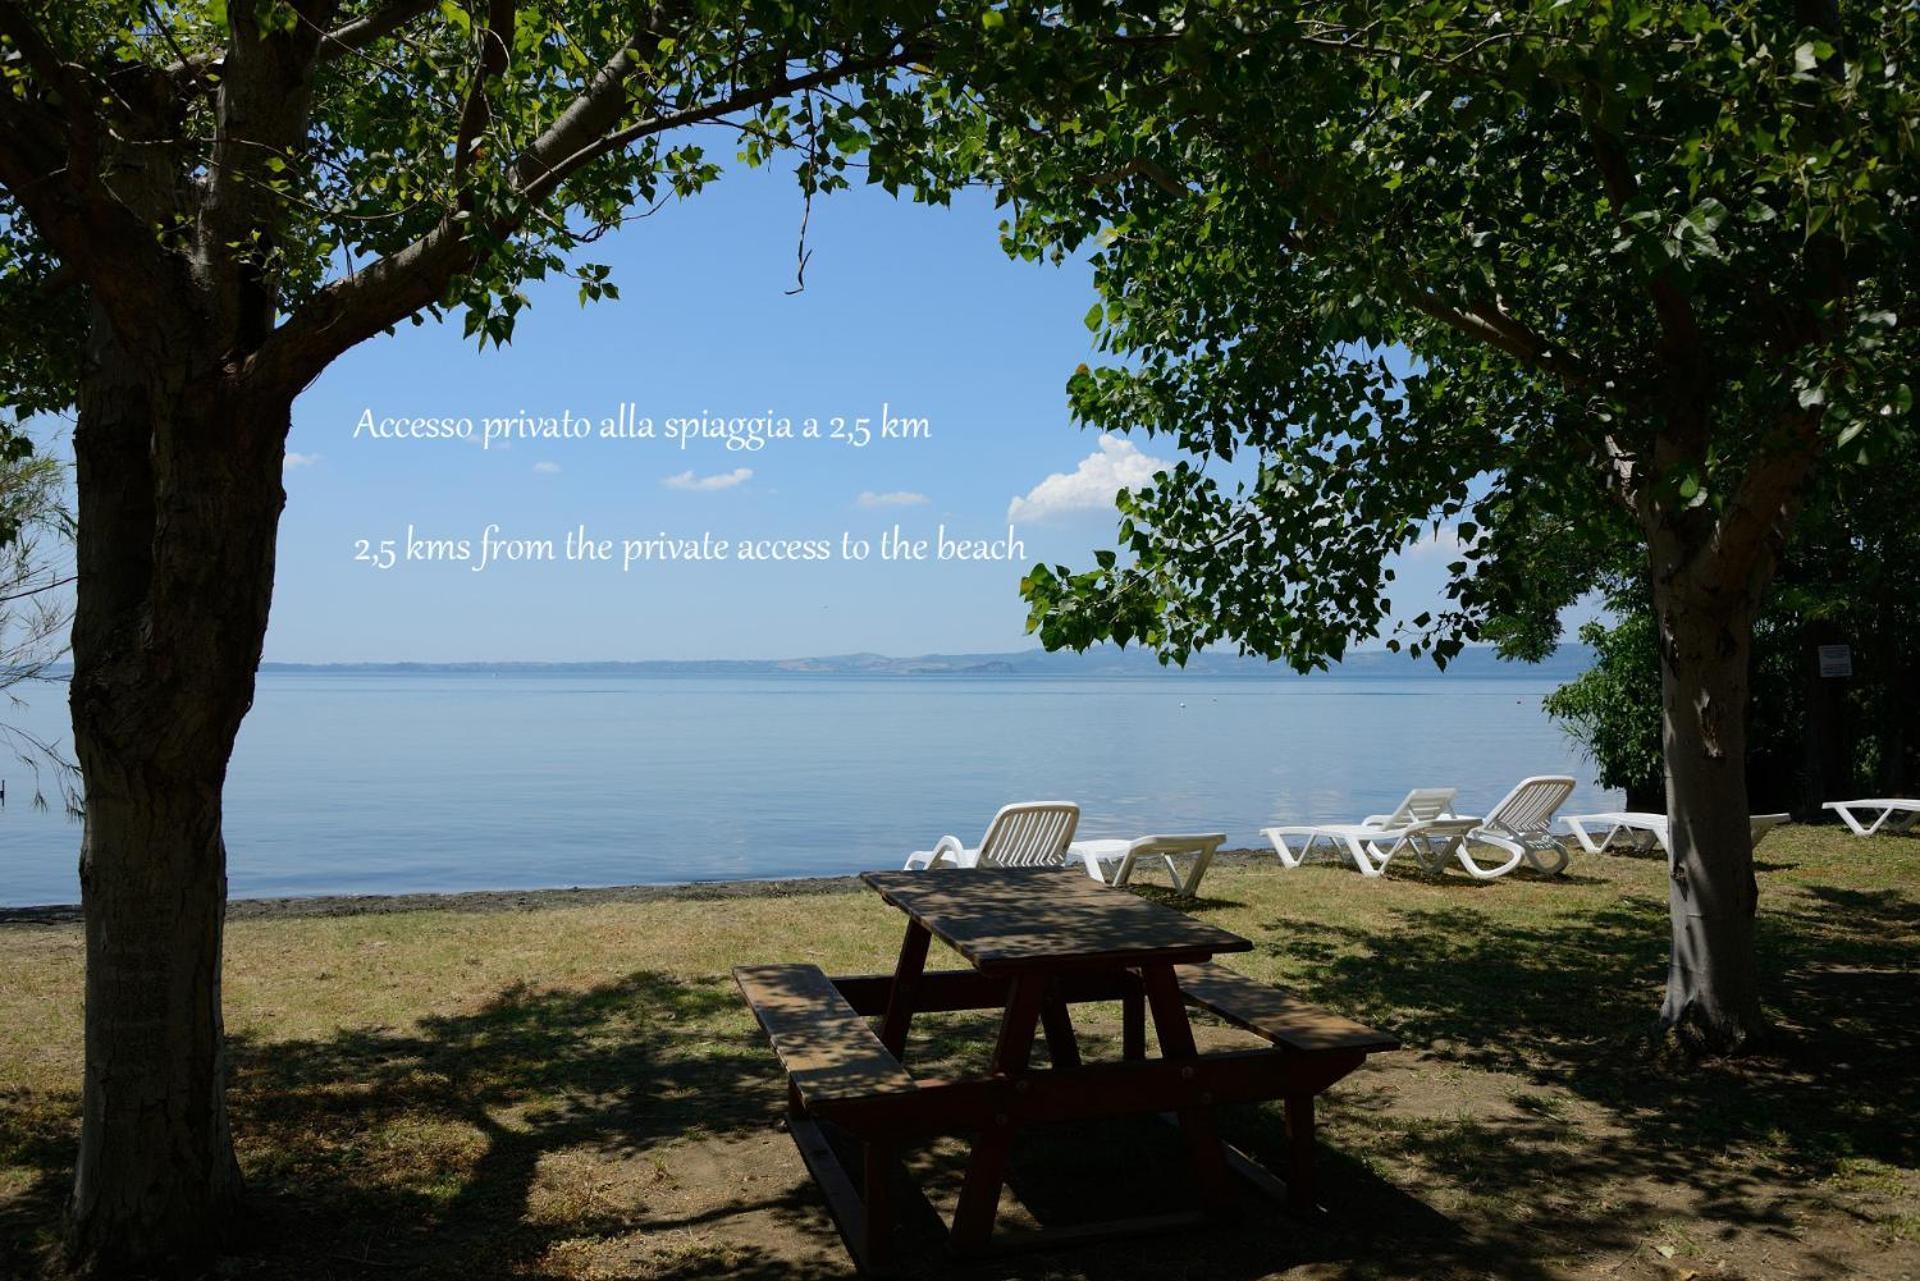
(736, 432)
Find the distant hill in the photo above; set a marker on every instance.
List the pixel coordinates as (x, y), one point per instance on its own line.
(1103, 661)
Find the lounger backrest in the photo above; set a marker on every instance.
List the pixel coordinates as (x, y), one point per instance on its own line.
(1030, 834)
(1423, 805)
(1531, 805)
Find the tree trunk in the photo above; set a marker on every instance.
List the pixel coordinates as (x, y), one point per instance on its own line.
(180, 496)
(1713, 990)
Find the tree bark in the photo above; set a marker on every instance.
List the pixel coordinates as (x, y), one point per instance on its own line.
(1713, 988)
(180, 496)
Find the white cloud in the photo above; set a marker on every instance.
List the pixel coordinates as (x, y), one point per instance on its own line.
(893, 498)
(294, 460)
(724, 480)
(1115, 466)
(546, 469)
(1442, 540)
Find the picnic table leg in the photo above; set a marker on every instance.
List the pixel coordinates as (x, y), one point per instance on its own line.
(987, 1168)
(1063, 1047)
(900, 997)
(1300, 1181)
(1175, 1034)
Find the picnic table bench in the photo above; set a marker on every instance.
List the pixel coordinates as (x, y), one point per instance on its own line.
(1039, 940)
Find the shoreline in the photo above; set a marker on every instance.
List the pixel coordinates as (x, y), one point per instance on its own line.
(323, 905)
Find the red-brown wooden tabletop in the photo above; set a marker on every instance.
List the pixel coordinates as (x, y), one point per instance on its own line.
(1019, 917)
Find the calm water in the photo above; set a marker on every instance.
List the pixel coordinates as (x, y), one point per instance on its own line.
(375, 783)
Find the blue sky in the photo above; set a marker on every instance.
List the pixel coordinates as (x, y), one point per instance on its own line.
(904, 305)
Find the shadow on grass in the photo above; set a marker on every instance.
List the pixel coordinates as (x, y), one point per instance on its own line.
(518, 1139)
(429, 1151)
(37, 1137)
(420, 1152)
(472, 1106)
(1561, 1005)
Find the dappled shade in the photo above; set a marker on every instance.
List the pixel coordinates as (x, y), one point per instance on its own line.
(627, 1125)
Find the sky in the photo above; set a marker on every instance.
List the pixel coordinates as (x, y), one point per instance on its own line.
(906, 309)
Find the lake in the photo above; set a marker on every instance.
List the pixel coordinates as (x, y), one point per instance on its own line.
(352, 782)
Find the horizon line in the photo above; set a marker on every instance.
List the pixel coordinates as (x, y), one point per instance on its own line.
(1110, 652)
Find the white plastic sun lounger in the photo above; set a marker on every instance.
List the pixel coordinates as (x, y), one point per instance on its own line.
(1425, 818)
(1895, 814)
(1371, 847)
(1114, 861)
(1643, 830)
(1420, 805)
(1028, 834)
(1518, 826)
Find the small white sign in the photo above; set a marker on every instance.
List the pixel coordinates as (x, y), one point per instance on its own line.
(1836, 660)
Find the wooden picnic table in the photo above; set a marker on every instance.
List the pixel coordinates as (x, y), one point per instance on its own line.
(1039, 940)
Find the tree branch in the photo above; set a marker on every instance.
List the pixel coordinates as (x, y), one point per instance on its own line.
(1490, 325)
(46, 160)
(261, 111)
(1672, 307)
(395, 286)
(1483, 321)
(1753, 526)
(1623, 470)
(347, 38)
(46, 62)
(351, 37)
(496, 42)
(77, 112)
(1139, 166)
(559, 171)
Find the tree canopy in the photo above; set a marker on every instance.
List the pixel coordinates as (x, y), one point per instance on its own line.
(381, 161)
(1647, 259)
(1559, 281)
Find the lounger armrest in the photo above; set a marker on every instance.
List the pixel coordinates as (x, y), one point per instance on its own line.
(1185, 841)
(1381, 820)
(1445, 823)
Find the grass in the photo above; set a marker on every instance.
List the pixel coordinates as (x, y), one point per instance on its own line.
(577, 1092)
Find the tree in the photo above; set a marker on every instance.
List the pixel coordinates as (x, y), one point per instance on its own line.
(205, 203)
(1557, 279)
(1852, 575)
